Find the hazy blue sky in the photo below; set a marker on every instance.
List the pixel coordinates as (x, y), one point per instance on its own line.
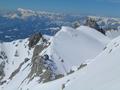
(96, 7)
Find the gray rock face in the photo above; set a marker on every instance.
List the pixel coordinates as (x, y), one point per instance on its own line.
(16, 54)
(47, 76)
(42, 66)
(37, 67)
(3, 60)
(33, 40)
(2, 65)
(76, 24)
(93, 24)
(3, 55)
(37, 50)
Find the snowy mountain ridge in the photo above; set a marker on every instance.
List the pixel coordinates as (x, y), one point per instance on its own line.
(21, 13)
(21, 23)
(76, 44)
(51, 62)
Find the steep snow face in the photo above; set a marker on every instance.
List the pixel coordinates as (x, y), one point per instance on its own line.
(70, 47)
(21, 65)
(101, 74)
(16, 52)
(113, 33)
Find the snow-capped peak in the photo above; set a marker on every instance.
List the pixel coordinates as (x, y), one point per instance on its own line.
(26, 13)
(25, 10)
(71, 45)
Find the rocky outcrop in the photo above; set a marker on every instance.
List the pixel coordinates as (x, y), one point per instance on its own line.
(33, 40)
(42, 66)
(76, 24)
(3, 55)
(37, 50)
(93, 24)
(3, 60)
(2, 74)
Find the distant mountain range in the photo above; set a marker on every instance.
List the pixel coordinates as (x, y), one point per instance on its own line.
(22, 23)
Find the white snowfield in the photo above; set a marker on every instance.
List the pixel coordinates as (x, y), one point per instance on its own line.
(19, 48)
(113, 34)
(76, 46)
(101, 74)
(69, 49)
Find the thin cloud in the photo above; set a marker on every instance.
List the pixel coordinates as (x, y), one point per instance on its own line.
(114, 1)
(110, 1)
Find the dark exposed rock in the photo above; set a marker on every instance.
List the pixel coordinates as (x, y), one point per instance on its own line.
(2, 82)
(16, 45)
(59, 76)
(16, 54)
(104, 48)
(33, 40)
(37, 62)
(76, 24)
(42, 67)
(3, 55)
(71, 71)
(93, 24)
(37, 50)
(26, 59)
(2, 74)
(102, 31)
(63, 86)
(82, 66)
(110, 51)
(47, 76)
(3, 60)
(37, 66)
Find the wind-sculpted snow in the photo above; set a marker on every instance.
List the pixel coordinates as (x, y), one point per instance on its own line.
(70, 55)
(102, 73)
(71, 47)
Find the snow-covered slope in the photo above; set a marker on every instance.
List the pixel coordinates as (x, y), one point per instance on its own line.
(17, 52)
(113, 33)
(100, 74)
(68, 50)
(71, 47)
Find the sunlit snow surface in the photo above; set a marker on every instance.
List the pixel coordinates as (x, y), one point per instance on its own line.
(74, 46)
